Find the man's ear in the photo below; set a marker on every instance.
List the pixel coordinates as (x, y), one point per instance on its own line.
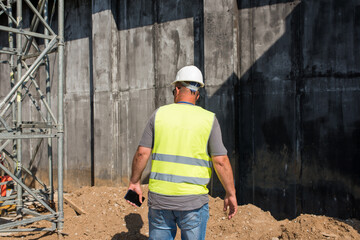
(197, 95)
(177, 90)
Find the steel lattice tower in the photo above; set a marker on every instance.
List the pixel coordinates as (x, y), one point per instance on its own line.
(25, 57)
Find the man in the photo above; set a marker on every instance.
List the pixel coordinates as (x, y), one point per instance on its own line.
(185, 142)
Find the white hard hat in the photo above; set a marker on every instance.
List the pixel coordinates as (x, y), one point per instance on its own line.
(189, 74)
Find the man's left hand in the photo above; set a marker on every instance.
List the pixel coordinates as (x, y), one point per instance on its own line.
(230, 203)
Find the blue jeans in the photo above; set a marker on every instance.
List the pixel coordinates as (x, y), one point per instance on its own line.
(162, 223)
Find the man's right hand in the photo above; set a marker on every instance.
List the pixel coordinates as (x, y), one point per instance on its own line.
(136, 188)
(139, 163)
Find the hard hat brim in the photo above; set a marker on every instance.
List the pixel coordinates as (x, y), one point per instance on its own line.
(201, 84)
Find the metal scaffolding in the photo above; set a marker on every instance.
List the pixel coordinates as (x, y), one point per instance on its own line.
(27, 54)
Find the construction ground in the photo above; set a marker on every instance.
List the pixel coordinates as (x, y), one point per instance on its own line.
(102, 213)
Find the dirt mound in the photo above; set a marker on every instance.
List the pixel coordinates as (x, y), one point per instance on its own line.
(108, 216)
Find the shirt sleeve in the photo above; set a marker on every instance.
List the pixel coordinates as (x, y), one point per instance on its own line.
(215, 145)
(147, 139)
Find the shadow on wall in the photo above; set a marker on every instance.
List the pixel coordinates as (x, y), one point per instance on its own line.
(135, 14)
(259, 3)
(223, 105)
(134, 223)
(259, 142)
(140, 13)
(295, 125)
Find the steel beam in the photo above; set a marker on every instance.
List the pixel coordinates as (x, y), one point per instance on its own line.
(25, 32)
(61, 113)
(27, 221)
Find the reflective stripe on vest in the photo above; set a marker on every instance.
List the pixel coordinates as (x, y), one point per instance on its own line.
(180, 162)
(180, 159)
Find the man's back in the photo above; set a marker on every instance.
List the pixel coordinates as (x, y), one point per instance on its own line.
(180, 161)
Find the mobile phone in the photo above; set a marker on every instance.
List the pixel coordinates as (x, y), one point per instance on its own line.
(133, 197)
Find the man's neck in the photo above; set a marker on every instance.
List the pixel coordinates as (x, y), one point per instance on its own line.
(186, 100)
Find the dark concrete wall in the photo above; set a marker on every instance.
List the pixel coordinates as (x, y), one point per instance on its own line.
(282, 77)
(299, 119)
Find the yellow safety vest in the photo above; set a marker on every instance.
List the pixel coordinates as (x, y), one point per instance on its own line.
(180, 163)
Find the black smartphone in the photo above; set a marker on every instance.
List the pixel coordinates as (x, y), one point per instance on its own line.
(133, 197)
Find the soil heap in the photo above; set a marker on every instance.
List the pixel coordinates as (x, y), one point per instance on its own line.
(106, 215)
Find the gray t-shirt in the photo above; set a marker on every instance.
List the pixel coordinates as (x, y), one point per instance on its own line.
(188, 202)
